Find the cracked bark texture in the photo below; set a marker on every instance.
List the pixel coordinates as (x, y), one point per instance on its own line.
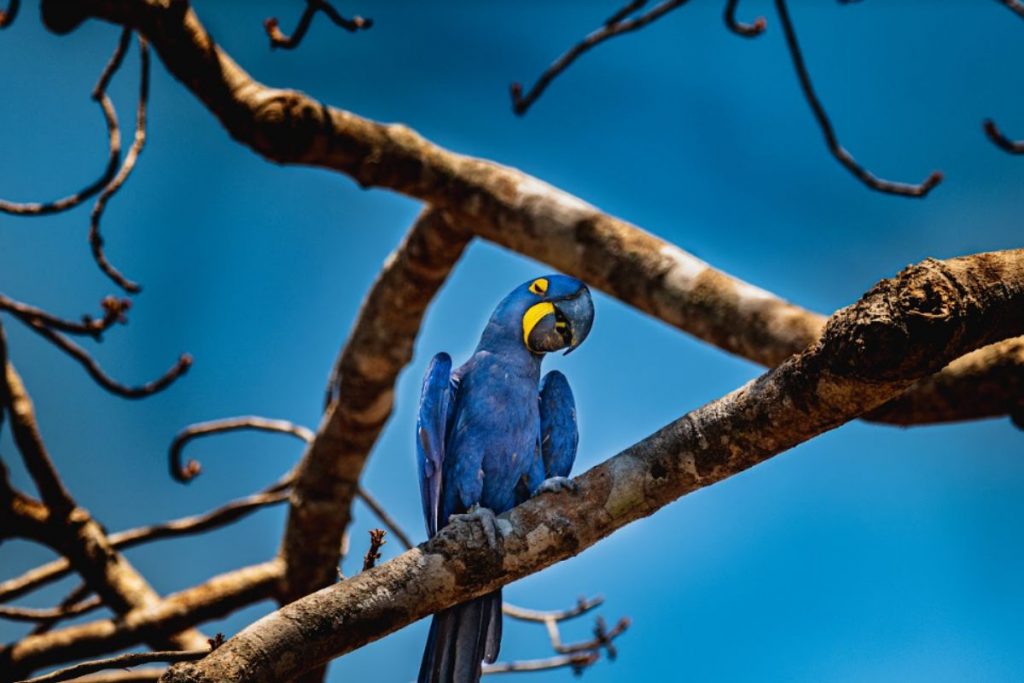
(902, 330)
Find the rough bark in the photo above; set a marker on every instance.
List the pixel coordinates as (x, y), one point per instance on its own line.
(902, 330)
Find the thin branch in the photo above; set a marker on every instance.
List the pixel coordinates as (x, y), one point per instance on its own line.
(79, 594)
(95, 238)
(119, 662)
(8, 16)
(740, 28)
(103, 379)
(185, 472)
(905, 328)
(1014, 6)
(373, 552)
(184, 526)
(387, 520)
(616, 25)
(837, 150)
(279, 39)
(578, 661)
(147, 675)
(1000, 140)
(52, 614)
(114, 311)
(99, 95)
(212, 599)
(582, 606)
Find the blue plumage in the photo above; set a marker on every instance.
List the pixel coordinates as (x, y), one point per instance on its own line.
(487, 437)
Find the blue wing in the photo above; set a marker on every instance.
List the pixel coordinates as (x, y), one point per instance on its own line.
(558, 432)
(431, 425)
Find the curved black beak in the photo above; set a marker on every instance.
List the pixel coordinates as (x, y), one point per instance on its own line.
(574, 316)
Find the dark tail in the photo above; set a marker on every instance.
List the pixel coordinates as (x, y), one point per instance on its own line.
(461, 638)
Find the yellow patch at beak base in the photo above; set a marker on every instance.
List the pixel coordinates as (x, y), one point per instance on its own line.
(534, 314)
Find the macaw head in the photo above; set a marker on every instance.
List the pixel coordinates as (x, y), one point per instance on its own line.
(545, 314)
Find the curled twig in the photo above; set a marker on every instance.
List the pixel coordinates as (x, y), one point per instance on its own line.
(99, 94)
(279, 39)
(114, 311)
(740, 28)
(119, 662)
(185, 472)
(50, 614)
(95, 238)
(616, 25)
(1000, 140)
(373, 552)
(92, 367)
(837, 150)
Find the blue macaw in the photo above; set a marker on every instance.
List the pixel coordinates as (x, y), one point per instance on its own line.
(488, 439)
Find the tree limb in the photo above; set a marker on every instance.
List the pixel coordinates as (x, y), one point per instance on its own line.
(902, 330)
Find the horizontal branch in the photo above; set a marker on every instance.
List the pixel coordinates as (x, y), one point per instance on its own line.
(121, 661)
(902, 330)
(212, 599)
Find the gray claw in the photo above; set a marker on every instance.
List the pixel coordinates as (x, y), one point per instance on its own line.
(557, 485)
(488, 523)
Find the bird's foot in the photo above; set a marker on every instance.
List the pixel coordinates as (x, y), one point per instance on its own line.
(557, 485)
(485, 517)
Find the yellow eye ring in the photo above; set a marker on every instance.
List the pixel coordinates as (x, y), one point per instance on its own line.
(539, 286)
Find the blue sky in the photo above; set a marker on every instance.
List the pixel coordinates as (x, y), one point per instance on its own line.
(871, 553)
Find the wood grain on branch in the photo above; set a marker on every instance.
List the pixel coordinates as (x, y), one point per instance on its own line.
(902, 330)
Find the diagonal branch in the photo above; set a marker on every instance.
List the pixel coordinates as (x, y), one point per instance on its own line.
(616, 25)
(212, 599)
(119, 662)
(999, 139)
(902, 330)
(114, 311)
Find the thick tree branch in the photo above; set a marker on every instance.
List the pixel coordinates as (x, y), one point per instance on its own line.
(902, 330)
(212, 599)
(361, 394)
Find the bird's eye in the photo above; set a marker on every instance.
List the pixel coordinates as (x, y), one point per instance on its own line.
(539, 286)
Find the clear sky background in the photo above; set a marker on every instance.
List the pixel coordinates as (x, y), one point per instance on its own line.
(872, 553)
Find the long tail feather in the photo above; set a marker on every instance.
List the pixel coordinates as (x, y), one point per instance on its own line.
(461, 638)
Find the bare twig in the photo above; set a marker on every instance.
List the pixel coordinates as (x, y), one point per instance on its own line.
(185, 472)
(214, 519)
(582, 606)
(114, 311)
(837, 150)
(279, 39)
(577, 661)
(99, 94)
(616, 25)
(102, 378)
(119, 662)
(80, 593)
(373, 552)
(1000, 139)
(95, 238)
(52, 614)
(740, 28)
